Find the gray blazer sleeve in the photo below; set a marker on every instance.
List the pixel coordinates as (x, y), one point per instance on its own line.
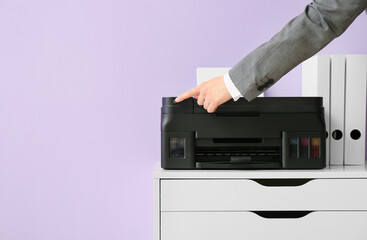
(302, 37)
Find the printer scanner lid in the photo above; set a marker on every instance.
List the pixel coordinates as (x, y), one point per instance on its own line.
(258, 105)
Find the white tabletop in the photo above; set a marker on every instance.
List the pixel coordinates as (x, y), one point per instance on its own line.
(328, 172)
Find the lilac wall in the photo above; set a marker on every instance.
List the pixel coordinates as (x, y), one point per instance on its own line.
(80, 89)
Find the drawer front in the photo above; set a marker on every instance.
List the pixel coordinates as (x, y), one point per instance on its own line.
(248, 195)
(248, 225)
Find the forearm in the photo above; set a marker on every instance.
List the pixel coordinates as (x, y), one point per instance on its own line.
(320, 23)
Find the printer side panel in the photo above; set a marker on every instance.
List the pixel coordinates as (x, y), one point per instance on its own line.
(177, 135)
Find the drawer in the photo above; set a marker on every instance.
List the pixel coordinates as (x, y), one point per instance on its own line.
(248, 225)
(251, 195)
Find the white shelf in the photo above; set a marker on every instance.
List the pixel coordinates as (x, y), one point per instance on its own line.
(328, 172)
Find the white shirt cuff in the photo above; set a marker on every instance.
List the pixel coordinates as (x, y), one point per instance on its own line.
(232, 88)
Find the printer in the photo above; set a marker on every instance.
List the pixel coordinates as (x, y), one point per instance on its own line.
(266, 133)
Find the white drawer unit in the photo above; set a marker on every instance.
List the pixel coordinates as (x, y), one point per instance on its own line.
(270, 204)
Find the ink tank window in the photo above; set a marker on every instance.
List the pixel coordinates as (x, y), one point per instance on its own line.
(177, 147)
(315, 147)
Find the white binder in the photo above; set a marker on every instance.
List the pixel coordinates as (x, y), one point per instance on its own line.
(316, 82)
(337, 99)
(355, 109)
(205, 74)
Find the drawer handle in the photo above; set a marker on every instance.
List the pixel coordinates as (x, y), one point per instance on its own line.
(286, 182)
(282, 214)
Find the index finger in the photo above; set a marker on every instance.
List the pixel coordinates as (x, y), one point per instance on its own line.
(189, 93)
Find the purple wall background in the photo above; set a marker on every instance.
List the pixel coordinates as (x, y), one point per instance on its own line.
(81, 83)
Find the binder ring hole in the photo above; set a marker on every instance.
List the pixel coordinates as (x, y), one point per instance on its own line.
(355, 134)
(337, 134)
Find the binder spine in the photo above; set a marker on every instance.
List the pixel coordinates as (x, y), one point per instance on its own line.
(355, 109)
(337, 100)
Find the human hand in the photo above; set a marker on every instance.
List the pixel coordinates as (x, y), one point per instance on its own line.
(209, 94)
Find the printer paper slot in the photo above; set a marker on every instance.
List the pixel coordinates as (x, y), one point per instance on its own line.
(239, 114)
(237, 140)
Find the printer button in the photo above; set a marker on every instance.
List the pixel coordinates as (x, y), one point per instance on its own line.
(271, 81)
(260, 88)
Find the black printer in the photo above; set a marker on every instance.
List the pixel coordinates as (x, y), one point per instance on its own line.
(266, 133)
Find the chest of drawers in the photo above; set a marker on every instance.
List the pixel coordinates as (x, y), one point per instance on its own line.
(268, 204)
